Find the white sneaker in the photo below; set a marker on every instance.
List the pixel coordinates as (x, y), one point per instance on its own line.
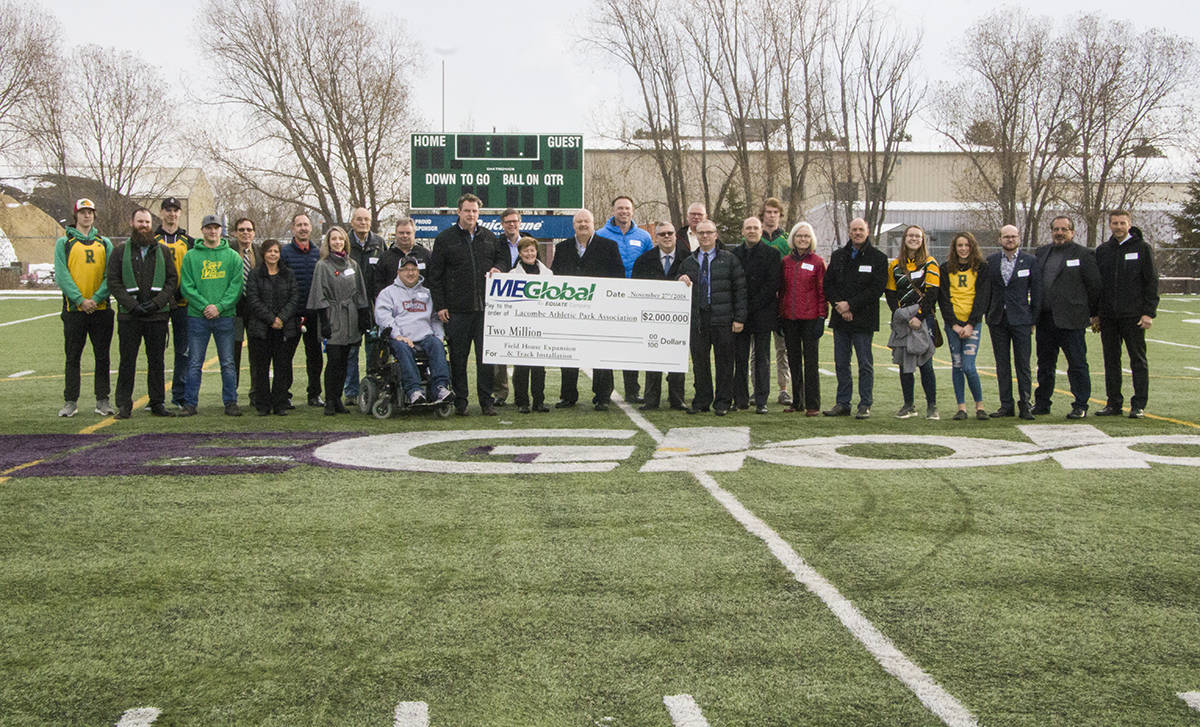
(907, 411)
(442, 394)
(784, 398)
(68, 409)
(103, 408)
(417, 397)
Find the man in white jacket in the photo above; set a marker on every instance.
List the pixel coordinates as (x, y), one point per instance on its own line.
(406, 307)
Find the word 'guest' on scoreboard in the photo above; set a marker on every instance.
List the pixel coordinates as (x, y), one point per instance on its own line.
(525, 171)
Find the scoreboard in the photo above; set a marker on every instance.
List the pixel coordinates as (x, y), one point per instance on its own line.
(525, 171)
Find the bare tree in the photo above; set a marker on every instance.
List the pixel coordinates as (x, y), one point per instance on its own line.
(1007, 116)
(27, 58)
(107, 151)
(327, 103)
(1126, 90)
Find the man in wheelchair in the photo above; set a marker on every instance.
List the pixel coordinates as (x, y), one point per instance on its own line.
(406, 308)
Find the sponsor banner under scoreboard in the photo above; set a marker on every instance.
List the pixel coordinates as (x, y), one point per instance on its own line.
(543, 227)
(580, 322)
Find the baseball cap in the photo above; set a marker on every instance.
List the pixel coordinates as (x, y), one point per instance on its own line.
(85, 204)
(170, 203)
(408, 260)
(211, 220)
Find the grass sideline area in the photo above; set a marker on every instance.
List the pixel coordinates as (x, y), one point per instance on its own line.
(224, 572)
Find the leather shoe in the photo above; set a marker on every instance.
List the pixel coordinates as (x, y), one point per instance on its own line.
(1077, 412)
(720, 412)
(1024, 412)
(316, 401)
(1136, 413)
(159, 410)
(123, 412)
(488, 410)
(1040, 409)
(694, 410)
(600, 407)
(564, 405)
(1109, 411)
(523, 409)
(838, 410)
(1003, 411)
(541, 408)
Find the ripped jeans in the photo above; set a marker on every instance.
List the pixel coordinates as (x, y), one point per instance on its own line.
(962, 356)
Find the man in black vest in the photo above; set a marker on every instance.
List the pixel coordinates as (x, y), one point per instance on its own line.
(1014, 294)
(142, 278)
(1070, 294)
(463, 255)
(587, 254)
(662, 262)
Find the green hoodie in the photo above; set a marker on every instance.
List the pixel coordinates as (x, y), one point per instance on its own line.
(80, 263)
(211, 276)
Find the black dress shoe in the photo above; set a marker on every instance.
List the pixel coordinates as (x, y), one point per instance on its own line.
(1109, 411)
(635, 399)
(564, 405)
(679, 407)
(1040, 409)
(523, 409)
(123, 412)
(488, 410)
(159, 410)
(1003, 411)
(838, 410)
(694, 410)
(541, 408)
(316, 401)
(1077, 412)
(600, 406)
(1024, 412)
(720, 412)
(341, 408)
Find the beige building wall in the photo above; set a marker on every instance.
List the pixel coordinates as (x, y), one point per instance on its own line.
(31, 231)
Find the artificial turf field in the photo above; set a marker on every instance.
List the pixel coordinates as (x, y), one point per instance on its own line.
(1006, 576)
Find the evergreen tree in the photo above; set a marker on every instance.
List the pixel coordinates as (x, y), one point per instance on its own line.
(1181, 256)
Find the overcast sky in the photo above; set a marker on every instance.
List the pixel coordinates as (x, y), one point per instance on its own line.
(516, 66)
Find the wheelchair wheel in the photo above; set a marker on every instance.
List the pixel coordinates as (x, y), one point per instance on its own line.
(383, 408)
(443, 410)
(368, 392)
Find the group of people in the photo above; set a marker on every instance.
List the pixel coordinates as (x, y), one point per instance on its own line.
(771, 286)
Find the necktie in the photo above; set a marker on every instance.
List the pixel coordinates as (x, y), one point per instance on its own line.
(704, 292)
(666, 264)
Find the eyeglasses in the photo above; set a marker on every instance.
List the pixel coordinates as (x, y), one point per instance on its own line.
(706, 232)
(668, 233)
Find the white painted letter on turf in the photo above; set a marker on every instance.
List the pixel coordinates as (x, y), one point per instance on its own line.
(684, 711)
(140, 717)
(412, 714)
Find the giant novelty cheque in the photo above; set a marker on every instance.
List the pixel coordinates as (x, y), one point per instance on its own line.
(580, 322)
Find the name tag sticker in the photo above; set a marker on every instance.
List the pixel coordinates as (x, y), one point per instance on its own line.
(372, 260)
(635, 243)
(349, 272)
(1131, 256)
(917, 274)
(864, 268)
(807, 266)
(420, 266)
(1023, 273)
(1073, 263)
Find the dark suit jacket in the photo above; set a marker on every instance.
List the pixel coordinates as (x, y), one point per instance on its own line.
(648, 266)
(1073, 294)
(601, 259)
(727, 287)
(1014, 304)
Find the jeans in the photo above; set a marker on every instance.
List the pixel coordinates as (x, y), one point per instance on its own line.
(179, 341)
(351, 387)
(410, 375)
(962, 357)
(221, 330)
(860, 342)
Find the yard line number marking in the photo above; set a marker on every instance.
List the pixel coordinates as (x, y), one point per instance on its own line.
(1191, 699)
(140, 717)
(412, 714)
(684, 711)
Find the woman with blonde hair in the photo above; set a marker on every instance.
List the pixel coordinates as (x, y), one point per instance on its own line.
(339, 295)
(529, 379)
(802, 311)
(912, 287)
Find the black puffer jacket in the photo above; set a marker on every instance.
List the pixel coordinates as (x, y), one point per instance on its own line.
(458, 268)
(269, 297)
(1129, 279)
(727, 287)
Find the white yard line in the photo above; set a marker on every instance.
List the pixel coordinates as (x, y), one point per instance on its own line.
(1191, 368)
(140, 717)
(19, 374)
(1191, 699)
(936, 700)
(412, 714)
(1171, 343)
(826, 372)
(26, 320)
(684, 711)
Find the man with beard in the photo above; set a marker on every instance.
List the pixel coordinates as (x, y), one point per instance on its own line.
(142, 279)
(302, 256)
(1070, 294)
(176, 239)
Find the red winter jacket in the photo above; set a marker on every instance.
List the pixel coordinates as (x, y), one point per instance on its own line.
(802, 288)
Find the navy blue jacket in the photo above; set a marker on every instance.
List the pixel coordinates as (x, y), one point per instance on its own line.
(302, 265)
(1018, 303)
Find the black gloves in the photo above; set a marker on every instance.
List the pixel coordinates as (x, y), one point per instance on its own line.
(364, 320)
(326, 328)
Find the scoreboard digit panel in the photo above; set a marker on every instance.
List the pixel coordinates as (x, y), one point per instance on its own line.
(529, 171)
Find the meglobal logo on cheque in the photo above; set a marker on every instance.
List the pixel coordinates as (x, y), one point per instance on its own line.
(516, 289)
